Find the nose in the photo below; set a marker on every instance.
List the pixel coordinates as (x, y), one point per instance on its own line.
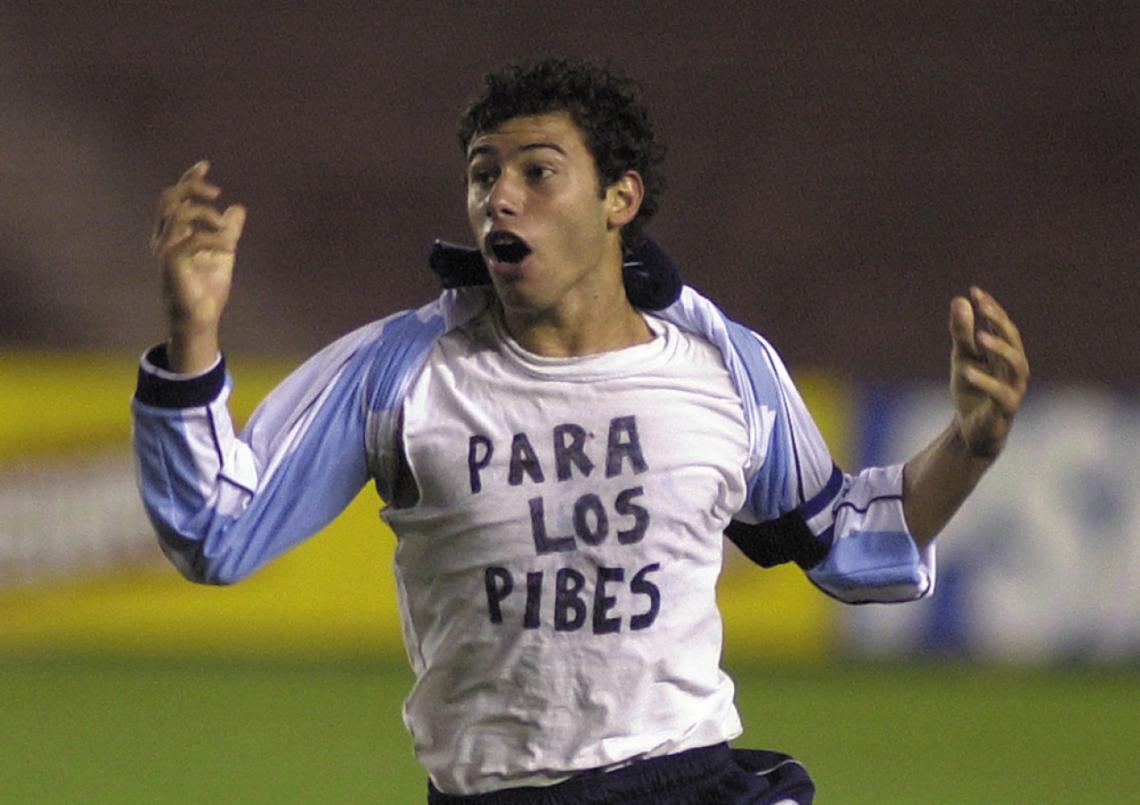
(505, 197)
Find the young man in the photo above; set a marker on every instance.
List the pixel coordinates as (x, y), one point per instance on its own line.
(562, 438)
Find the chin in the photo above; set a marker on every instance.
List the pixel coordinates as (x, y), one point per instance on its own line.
(515, 297)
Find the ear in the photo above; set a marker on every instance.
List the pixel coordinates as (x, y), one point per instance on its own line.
(623, 199)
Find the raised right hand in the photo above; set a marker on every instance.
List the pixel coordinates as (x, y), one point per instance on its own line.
(195, 247)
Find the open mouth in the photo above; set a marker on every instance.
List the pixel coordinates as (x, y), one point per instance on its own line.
(507, 247)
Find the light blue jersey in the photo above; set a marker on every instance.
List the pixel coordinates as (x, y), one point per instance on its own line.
(582, 475)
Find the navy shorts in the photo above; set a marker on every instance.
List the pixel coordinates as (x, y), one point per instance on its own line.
(714, 775)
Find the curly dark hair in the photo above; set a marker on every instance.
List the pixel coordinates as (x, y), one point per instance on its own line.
(601, 103)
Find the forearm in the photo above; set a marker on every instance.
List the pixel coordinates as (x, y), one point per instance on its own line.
(936, 481)
(988, 377)
(224, 503)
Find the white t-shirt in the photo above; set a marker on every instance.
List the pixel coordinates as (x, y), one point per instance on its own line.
(558, 573)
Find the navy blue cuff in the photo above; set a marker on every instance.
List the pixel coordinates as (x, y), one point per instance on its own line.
(163, 392)
(785, 539)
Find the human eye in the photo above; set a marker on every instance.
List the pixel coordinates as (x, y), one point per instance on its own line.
(537, 172)
(481, 175)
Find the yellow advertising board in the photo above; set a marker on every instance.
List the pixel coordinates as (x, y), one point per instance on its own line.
(333, 595)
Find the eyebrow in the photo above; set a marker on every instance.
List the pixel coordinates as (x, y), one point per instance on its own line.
(480, 150)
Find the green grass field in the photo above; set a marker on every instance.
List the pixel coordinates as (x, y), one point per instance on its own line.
(152, 731)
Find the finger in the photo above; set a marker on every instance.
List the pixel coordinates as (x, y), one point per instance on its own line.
(176, 196)
(208, 229)
(198, 189)
(1012, 362)
(193, 189)
(187, 242)
(1009, 364)
(996, 316)
(172, 240)
(191, 182)
(198, 169)
(196, 216)
(202, 216)
(1004, 396)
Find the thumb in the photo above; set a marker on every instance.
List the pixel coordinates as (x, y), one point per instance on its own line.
(962, 326)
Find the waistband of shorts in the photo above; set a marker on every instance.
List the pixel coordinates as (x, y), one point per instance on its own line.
(659, 774)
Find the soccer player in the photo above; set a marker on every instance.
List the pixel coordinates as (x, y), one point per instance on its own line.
(562, 439)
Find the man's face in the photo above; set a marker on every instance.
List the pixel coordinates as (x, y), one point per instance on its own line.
(538, 213)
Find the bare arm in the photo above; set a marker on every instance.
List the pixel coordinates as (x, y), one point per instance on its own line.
(989, 374)
(195, 247)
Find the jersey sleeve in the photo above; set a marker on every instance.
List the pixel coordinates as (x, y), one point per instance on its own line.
(224, 503)
(847, 531)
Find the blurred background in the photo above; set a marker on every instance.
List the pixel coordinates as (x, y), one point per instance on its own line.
(837, 172)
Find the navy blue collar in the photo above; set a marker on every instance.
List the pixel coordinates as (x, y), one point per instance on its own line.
(650, 276)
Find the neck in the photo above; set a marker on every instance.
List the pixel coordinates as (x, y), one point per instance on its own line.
(593, 326)
(588, 315)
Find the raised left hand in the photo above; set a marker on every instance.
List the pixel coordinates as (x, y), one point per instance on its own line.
(989, 372)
